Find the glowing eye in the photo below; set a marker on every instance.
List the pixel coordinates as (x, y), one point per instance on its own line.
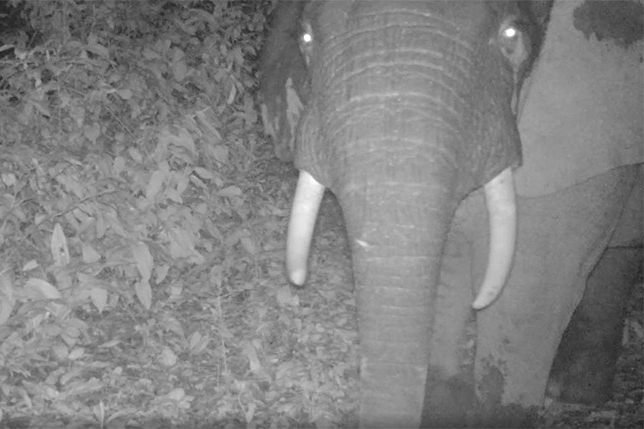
(513, 42)
(509, 32)
(306, 42)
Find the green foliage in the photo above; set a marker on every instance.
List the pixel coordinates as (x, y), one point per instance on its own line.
(142, 221)
(129, 185)
(121, 131)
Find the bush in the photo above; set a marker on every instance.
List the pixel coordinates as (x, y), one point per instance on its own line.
(129, 139)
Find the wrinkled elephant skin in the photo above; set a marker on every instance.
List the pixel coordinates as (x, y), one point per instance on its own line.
(586, 89)
(404, 110)
(561, 238)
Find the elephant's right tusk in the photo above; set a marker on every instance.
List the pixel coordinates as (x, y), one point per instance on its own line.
(502, 209)
(308, 195)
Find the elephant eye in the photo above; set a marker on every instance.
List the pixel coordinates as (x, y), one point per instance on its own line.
(509, 32)
(307, 38)
(513, 42)
(306, 42)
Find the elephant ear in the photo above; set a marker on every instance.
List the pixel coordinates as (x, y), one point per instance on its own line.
(284, 81)
(281, 112)
(581, 108)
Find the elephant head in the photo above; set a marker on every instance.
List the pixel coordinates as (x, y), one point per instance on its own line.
(401, 108)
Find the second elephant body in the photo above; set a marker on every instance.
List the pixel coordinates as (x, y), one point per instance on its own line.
(561, 238)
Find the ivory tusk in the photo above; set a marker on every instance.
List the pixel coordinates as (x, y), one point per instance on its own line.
(502, 209)
(308, 195)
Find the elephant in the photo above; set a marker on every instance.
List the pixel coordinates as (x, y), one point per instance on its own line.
(487, 157)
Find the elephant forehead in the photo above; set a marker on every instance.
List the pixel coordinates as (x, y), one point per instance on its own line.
(470, 18)
(582, 107)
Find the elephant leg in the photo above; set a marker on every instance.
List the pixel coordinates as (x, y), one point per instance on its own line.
(560, 239)
(585, 364)
(584, 367)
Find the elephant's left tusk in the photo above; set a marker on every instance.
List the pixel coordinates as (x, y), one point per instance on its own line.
(502, 210)
(308, 195)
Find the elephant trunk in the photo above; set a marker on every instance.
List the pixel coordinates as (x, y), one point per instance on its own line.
(397, 230)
